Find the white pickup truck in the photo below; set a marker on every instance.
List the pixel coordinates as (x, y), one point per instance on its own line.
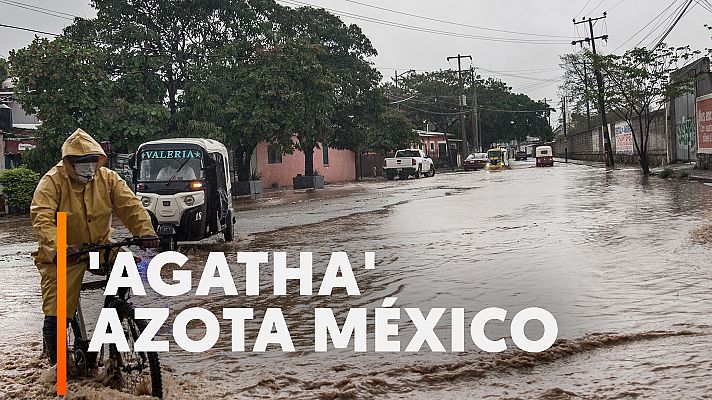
(407, 163)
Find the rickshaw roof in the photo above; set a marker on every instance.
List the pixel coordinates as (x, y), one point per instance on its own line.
(211, 146)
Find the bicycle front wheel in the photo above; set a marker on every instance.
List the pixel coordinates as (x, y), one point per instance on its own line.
(137, 373)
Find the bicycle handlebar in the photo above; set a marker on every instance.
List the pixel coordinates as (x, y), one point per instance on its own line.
(93, 247)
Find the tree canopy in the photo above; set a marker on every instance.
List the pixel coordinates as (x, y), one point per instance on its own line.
(637, 85)
(432, 99)
(4, 69)
(242, 72)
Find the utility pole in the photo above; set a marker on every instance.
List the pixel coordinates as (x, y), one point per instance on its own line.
(588, 104)
(463, 133)
(395, 80)
(599, 81)
(548, 110)
(566, 140)
(475, 113)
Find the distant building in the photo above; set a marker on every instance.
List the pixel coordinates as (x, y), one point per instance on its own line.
(16, 127)
(277, 169)
(683, 143)
(434, 144)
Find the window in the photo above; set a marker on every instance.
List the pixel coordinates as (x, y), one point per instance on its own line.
(325, 154)
(407, 153)
(432, 146)
(274, 154)
(170, 165)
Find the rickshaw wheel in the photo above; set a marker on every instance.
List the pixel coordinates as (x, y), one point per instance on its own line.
(229, 232)
(168, 243)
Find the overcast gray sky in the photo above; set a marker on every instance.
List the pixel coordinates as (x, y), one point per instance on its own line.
(403, 44)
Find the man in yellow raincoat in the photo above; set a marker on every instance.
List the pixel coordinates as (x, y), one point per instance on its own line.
(81, 186)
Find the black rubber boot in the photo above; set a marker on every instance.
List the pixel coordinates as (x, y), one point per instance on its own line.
(49, 333)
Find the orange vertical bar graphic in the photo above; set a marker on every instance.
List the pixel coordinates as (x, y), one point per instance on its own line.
(62, 303)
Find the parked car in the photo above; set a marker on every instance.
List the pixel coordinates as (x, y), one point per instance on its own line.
(544, 156)
(475, 161)
(406, 163)
(521, 156)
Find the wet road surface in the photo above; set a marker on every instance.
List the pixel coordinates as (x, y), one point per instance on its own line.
(609, 253)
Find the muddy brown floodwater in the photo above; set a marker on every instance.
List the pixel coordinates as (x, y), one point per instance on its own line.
(609, 253)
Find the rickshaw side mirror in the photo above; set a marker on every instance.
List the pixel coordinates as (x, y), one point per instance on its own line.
(132, 161)
(134, 168)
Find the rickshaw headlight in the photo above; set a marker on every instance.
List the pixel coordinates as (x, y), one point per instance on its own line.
(189, 201)
(146, 201)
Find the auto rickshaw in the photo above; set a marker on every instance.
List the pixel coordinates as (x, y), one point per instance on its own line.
(544, 156)
(184, 183)
(497, 159)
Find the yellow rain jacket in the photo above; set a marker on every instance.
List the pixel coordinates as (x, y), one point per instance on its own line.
(89, 209)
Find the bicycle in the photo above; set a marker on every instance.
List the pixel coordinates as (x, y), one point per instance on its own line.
(132, 372)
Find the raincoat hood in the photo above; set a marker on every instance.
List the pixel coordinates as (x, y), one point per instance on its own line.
(80, 143)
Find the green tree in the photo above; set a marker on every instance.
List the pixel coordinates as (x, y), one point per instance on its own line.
(4, 69)
(431, 99)
(637, 86)
(242, 103)
(311, 102)
(71, 83)
(390, 131)
(65, 82)
(164, 41)
(333, 80)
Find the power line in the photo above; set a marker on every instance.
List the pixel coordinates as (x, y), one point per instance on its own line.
(28, 30)
(470, 110)
(454, 23)
(583, 8)
(662, 23)
(616, 5)
(679, 17)
(645, 26)
(375, 66)
(36, 9)
(596, 7)
(538, 85)
(426, 30)
(518, 76)
(44, 9)
(705, 4)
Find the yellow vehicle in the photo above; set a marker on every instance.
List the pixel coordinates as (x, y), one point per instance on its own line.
(497, 159)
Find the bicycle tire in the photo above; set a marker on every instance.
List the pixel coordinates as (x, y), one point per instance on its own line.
(154, 365)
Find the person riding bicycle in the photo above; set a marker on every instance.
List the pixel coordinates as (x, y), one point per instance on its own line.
(89, 192)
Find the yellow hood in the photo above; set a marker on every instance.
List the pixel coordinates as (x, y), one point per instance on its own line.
(80, 143)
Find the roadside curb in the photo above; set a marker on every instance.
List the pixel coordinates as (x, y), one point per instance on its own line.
(698, 177)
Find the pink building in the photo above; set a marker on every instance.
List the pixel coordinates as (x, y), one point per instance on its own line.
(434, 144)
(277, 168)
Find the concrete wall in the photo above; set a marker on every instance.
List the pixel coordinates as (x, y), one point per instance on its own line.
(341, 167)
(681, 115)
(588, 145)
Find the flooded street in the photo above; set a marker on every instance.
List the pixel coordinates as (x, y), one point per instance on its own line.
(608, 253)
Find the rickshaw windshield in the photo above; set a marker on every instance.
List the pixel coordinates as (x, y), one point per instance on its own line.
(164, 165)
(494, 154)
